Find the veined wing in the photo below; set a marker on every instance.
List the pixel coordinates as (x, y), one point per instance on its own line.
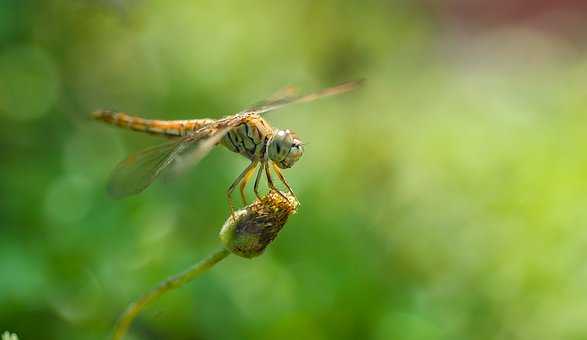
(138, 171)
(192, 156)
(289, 96)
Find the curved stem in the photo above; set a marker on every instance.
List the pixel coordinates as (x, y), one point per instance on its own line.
(172, 282)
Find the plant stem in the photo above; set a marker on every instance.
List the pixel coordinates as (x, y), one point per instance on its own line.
(172, 282)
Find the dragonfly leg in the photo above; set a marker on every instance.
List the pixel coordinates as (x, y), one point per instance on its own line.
(282, 178)
(238, 180)
(270, 181)
(245, 180)
(257, 180)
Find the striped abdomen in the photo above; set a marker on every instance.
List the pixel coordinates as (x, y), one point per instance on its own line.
(248, 138)
(168, 128)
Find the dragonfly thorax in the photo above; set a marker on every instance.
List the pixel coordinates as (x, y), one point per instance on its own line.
(285, 148)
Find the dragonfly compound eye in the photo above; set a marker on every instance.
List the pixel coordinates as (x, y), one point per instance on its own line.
(255, 226)
(285, 148)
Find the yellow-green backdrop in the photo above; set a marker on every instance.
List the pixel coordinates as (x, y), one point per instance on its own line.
(444, 200)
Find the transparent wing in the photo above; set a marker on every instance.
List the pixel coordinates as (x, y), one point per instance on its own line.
(289, 95)
(191, 157)
(286, 93)
(138, 171)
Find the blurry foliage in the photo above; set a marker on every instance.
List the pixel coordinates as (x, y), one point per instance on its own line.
(445, 200)
(9, 336)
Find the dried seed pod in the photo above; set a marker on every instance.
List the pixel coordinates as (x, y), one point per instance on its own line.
(256, 225)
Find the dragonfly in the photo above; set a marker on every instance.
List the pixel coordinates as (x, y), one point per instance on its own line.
(246, 133)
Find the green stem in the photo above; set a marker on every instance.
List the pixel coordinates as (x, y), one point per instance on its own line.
(172, 282)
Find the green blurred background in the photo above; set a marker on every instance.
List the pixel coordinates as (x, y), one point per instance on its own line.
(444, 200)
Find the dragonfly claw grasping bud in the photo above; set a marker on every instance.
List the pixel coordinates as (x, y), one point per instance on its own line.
(251, 229)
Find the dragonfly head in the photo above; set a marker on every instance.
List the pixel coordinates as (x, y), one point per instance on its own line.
(285, 148)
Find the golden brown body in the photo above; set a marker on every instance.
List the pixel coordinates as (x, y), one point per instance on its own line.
(245, 133)
(249, 138)
(167, 128)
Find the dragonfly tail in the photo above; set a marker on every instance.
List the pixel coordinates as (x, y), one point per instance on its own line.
(166, 128)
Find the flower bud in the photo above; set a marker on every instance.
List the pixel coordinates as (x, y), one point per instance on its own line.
(251, 229)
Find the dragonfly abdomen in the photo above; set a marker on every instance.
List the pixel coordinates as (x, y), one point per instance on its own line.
(167, 128)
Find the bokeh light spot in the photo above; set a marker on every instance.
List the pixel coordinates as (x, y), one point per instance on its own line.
(93, 151)
(30, 83)
(21, 272)
(68, 200)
